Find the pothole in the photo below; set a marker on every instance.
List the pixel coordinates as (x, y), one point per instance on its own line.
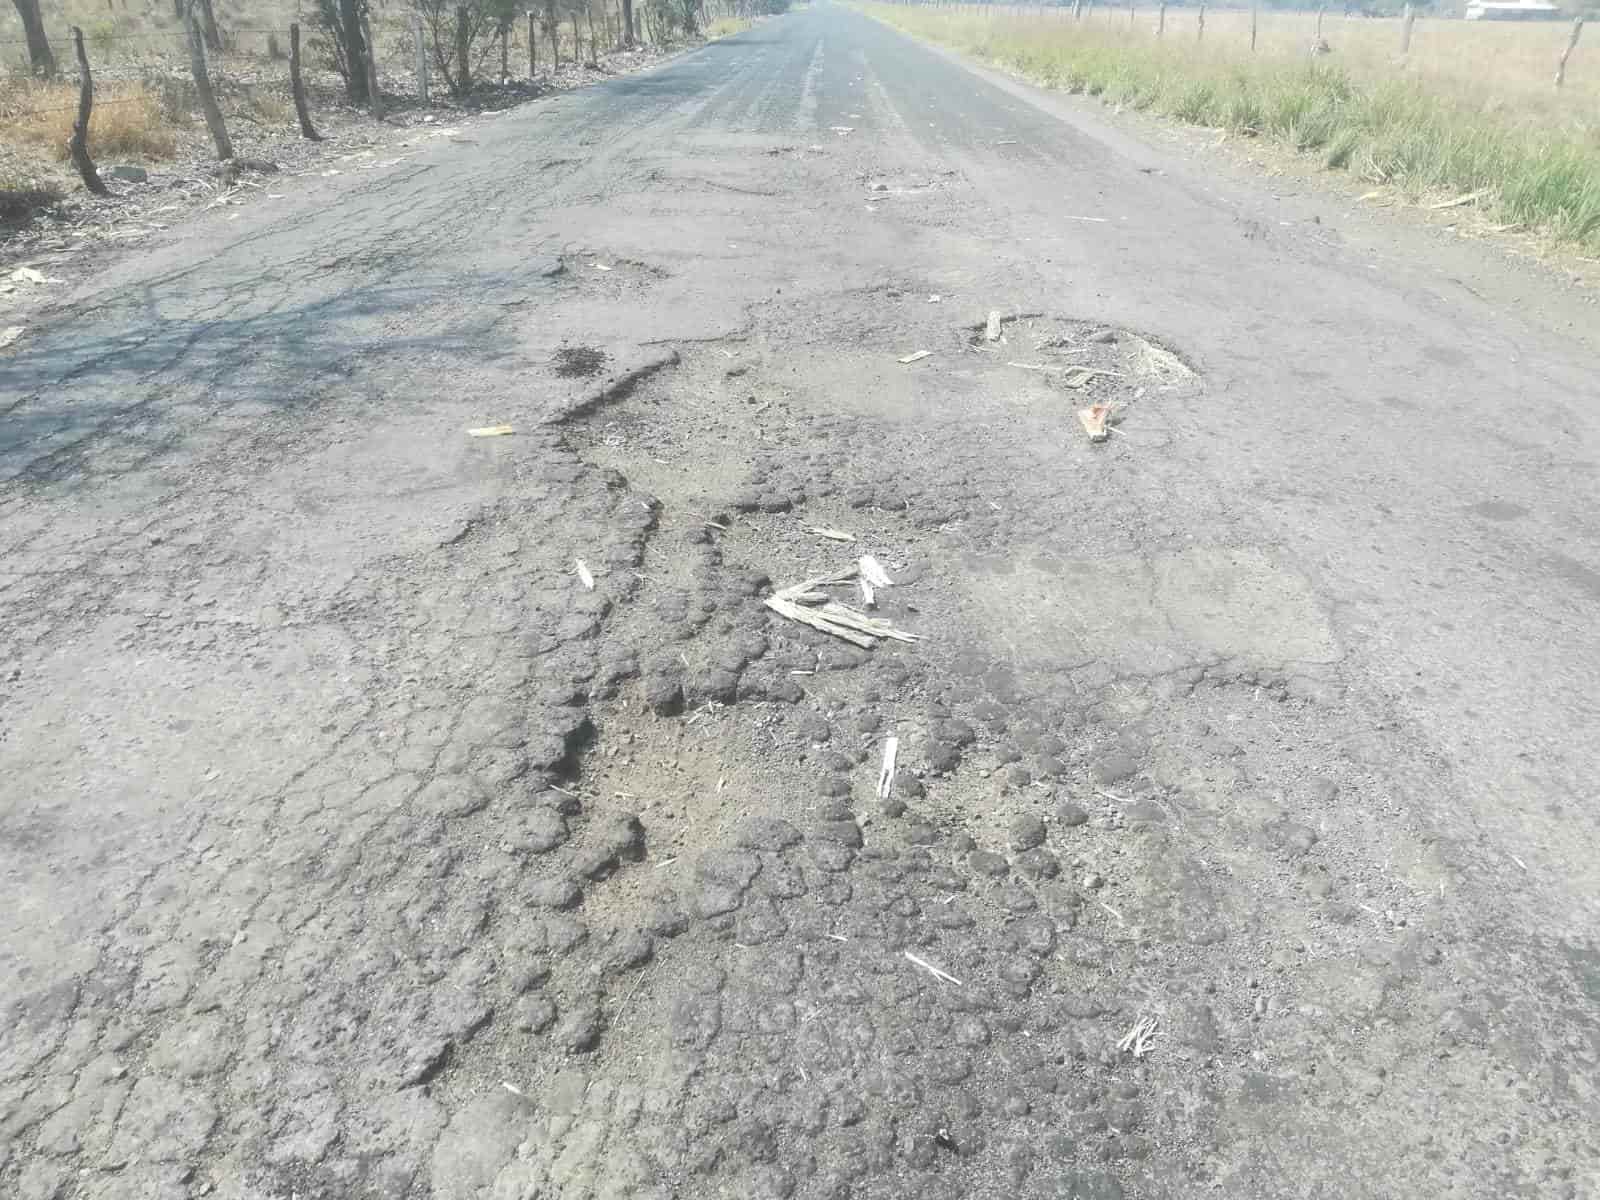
(1089, 358)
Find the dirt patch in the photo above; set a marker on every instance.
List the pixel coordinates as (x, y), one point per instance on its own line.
(579, 362)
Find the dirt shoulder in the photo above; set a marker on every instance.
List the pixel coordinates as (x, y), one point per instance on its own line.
(69, 239)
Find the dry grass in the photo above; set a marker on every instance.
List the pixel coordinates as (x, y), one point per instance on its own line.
(1502, 67)
(727, 26)
(1470, 110)
(129, 121)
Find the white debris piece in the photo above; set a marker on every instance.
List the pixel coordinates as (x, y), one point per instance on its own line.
(872, 571)
(836, 535)
(891, 750)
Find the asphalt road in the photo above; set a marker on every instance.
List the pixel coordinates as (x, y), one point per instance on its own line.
(1243, 836)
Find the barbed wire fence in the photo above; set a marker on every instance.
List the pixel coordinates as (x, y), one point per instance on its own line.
(249, 79)
(254, 59)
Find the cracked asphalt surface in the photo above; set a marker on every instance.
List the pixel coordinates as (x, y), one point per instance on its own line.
(353, 848)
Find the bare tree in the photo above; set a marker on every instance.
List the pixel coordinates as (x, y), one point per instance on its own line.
(342, 20)
(208, 25)
(462, 35)
(627, 23)
(298, 87)
(40, 61)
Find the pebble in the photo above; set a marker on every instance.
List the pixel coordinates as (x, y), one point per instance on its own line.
(766, 833)
(735, 868)
(1018, 899)
(580, 1029)
(1037, 863)
(986, 862)
(1297, 839)
(667, 920)
(534, 1014)
(1113, 767)
(940, 757)
(845, 832)
(1027, 832)
(1069, 815)
(831, 856)
(556, 891)
(627, 953)
(1092, 882)
(664, 695)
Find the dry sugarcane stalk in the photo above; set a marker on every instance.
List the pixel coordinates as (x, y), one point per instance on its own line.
(787, 608)
(843, 614)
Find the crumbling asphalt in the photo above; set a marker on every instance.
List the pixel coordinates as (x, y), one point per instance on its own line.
(1242, 836)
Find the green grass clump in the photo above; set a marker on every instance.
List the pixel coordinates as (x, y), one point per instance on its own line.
(1397, 130)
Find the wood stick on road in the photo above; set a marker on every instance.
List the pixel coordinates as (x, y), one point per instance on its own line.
(298, 87)
(78, 144)
(202, 85)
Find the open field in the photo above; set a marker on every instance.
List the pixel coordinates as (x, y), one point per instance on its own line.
(1471, 109)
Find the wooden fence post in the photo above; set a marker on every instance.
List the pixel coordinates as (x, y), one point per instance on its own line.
(1131, 15)
(373, 94)
(1405, 30)
(1254, 6)
(463, 45)
(421, 43)
(1572, 44)
(1161, 19)
(533, 50)
(505, 61)
(1320, 11)
(202, 86)
(298, 87)
(78, 143)
(1200, 25)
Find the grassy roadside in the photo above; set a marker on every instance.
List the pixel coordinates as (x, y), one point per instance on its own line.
(1424, 136)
